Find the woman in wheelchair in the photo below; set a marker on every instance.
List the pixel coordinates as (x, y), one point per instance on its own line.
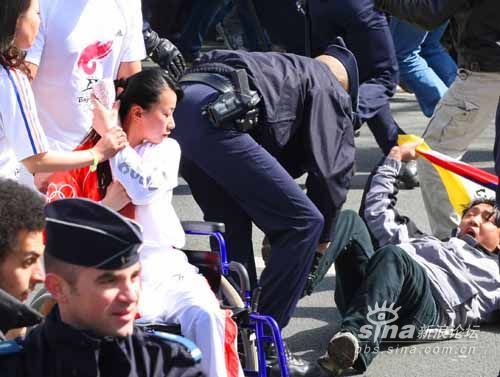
(139, 182)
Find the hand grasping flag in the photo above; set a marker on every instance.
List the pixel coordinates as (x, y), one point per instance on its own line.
(452, 172)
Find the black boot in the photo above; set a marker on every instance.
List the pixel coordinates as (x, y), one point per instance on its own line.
(297, 367)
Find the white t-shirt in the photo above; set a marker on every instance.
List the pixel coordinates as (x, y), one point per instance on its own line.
(80, 42)
(149, 175)
(21, 135)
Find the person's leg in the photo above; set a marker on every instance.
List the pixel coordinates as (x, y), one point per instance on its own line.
(196, 27)
(369, 38)
(350, 250)
(255, 36)
(414, 70)
(194, 306)
(264, 190)
(218, 206)
(172, 292)
(366, 33)
(350, 265)
(211, 328)
(467, 108)
(395, 290)
(437, 57)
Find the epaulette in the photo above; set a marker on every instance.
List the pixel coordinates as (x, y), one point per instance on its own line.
(10, 347)
(188, 345)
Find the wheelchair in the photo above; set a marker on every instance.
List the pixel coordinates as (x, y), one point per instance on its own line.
(216, 268)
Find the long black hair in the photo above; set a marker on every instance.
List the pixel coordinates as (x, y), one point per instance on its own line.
(144, 89)
(11, 56)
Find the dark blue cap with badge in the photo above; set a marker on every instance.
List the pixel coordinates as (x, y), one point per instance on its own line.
(85, 233)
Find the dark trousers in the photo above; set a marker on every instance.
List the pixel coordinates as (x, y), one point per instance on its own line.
(203, 15)
(350, 250)
(236, 181)
(366, 33)
(390, 278)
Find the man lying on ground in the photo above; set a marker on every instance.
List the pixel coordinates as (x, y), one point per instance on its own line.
(415, 280)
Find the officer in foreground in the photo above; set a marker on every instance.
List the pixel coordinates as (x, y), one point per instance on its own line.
(93, 273)
(248, 125)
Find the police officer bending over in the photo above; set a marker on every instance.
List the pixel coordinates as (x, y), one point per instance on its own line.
(248, 125)
(93, 273)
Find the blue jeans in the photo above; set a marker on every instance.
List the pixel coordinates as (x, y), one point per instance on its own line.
(425, 67)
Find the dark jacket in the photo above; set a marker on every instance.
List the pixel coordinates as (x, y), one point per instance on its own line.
(475, 26)
(55, 349)
(305, 122)
(14, 314)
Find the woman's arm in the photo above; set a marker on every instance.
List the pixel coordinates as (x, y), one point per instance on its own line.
(148, 173)
(51, 161)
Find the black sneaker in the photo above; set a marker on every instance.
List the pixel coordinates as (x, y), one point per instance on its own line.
(297, 367)
(408, 177)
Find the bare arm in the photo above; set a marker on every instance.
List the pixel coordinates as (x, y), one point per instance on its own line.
(52, 161)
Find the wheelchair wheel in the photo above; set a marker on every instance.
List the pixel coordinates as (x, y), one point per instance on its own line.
(246, 337)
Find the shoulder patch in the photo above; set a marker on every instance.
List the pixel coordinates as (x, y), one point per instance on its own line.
(10, 347)
(188, 345)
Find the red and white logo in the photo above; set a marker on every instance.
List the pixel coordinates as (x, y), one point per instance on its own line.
(87, 61)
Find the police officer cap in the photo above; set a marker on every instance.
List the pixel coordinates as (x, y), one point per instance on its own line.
(88, 234)
(339, 51)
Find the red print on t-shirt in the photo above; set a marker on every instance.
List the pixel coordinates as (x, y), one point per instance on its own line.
(96, 51)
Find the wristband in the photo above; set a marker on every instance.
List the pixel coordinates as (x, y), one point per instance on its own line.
(93, 167)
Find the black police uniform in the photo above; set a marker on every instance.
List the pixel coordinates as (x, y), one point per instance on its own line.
(55, 349)
(305, 126)
(84, 233)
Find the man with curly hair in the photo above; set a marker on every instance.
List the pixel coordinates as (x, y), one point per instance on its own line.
(21, 245)
(21, 238)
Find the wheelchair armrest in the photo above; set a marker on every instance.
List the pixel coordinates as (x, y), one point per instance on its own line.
(205, 227)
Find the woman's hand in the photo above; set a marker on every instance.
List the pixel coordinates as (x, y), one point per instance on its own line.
(116, 197)
(110, 144)
(104, 119)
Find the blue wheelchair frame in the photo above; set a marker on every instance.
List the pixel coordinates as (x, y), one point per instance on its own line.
(257, 322)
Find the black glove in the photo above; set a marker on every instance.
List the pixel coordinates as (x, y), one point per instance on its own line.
(164, 53)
